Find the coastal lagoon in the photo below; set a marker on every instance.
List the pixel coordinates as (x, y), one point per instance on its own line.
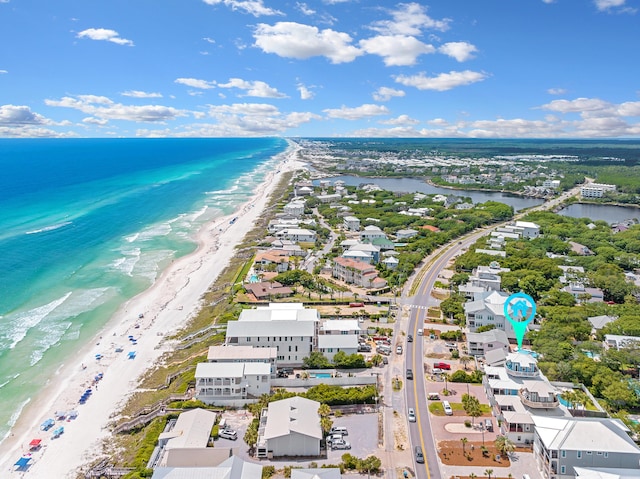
(412, 185)
(85, 225)
(610, 214)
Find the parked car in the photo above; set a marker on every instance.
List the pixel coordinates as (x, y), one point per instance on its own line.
(442, 365)
(411, 415)
(409, 373)
(451, 345)
(399, 350)
(339, 430)
(447, 408)
(341, 444)
(436, 371)
(364, 347)
(228, 434)
(331, 438)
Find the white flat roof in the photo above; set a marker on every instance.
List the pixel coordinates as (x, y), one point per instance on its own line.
(192, 429)
(235, 353)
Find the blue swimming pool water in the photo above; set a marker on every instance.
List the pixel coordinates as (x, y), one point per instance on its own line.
(323, 375)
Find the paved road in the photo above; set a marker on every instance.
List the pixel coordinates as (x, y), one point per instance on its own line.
(420, 432)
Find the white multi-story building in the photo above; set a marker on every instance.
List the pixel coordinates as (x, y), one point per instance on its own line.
(478, 344)
(371, 232)
(297, 235)
(553, 184)
(528, 229)
(595, 190)
(295, 207)
(516, 391)
(566, 448)
(244, 354)
(229, 382)
(289, 327)
(405, 234)
(488, 308)
(352, 223)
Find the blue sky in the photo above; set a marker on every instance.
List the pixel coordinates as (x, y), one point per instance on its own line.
(221, 68)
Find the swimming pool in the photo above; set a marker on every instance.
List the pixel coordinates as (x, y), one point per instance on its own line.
(323, 375)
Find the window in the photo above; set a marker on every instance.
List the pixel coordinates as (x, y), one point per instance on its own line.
(563, 453)
(289, 348)
(563, 469)
(579, 454)
(606, 454)
(248, 339)
(599, 453)
(589, 453)
(296, 348)
(490, 318)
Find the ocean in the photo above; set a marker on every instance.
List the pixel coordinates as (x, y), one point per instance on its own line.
(86, 224)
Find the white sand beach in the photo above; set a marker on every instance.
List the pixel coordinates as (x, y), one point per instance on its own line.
(166, 307)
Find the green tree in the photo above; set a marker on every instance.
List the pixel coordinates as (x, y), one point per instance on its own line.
(488, 472)
(464, 441)
(316, 360)
(619, 394)
(251, 434)
(504, 445)
(370, 465)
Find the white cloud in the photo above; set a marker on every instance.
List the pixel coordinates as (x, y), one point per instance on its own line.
(304, 8)
(94, 121)
(409, 19)
(140, 94)
(295, 40)
(461, 51)
(305, 93)
(604, 5)
(3, 71)
(32, 132)
(254, 7)
(556, 91)
(105, 109)
(442, 82)
(630, 108)
(105, 35)
(579, 105)
(196, 83)
(209, 40)
(357, 113)
(253, 88)
(385, 93)
(397, 50)
(401, 121)
(20, 115)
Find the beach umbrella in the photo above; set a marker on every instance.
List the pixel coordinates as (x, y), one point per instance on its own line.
(73, 414)
(47, 424)
(22, 462)
(58, 431)
(132, 354)
(35, 443)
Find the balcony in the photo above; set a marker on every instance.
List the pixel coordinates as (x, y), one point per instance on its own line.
(514, 369)
(535, 402)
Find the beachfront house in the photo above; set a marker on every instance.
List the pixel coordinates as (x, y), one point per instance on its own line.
(244, 354)
(294, 208)
(297, 235)
(267, 290)
(290, 427)
(232, 467)
(289, 327)
(367, 252)
(564, 444)
(405, 234)
(359, 273)
(339, 335)
(272, 260)
(188, 442)
(232, 383)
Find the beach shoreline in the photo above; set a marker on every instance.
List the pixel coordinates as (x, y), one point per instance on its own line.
(165, 307)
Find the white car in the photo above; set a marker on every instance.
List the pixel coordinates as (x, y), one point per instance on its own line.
(228, 434)
(342, 444)
(412, 415)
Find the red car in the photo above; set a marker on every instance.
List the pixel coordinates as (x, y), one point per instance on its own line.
(444, 366)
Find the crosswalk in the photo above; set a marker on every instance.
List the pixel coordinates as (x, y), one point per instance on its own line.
(417, 306)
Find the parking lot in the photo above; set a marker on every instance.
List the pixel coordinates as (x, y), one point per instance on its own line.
(362, 435)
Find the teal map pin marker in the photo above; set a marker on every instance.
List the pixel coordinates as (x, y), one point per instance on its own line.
(519, 309)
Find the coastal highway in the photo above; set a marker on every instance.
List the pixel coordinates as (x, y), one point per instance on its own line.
(420, 433)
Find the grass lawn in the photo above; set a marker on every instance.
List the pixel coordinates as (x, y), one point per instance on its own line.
(437, 410)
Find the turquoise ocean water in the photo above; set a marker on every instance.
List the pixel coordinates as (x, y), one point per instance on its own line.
(86, 224)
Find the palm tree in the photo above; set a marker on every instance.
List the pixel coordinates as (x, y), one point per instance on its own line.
(446, 378)
(464, 441)
(465, 360)
(504, 445)
(488, 472)
(472, 476)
